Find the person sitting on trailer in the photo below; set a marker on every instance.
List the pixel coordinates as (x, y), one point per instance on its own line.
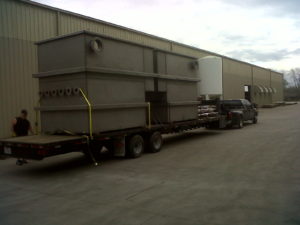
(20, 127)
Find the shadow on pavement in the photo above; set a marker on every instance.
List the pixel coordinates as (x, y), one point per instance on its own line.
(189, 136)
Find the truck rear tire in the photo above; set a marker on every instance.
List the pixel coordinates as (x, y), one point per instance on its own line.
(155, 142)
(212, 125)
(240, 123)
(135, 146)
(254, 121)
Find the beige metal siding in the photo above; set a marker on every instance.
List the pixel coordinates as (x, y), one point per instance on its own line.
(20, 26)
(277, 83)
(70, 24)
(181, 49)
(235, 76)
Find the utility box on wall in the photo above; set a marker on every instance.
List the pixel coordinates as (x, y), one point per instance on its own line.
(117, 78)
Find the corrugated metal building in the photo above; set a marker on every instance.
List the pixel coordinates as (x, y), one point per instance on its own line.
(23, 22)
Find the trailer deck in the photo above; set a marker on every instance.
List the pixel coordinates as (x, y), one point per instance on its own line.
(45, 145)
(40, 146)
(41, 139)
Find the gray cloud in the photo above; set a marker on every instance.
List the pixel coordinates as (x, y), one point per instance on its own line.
(284, 6)
(240, 39)
(295, 52)
(258, 56)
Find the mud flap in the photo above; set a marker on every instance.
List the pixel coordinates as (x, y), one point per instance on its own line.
(119, 146)
(222, 121)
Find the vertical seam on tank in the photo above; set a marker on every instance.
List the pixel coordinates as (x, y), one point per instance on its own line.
(222, 78)
(166, 68)
(144, 60)
(85, 64)
(155, 70)
(252, 85)
(58, 23)
(271, 86)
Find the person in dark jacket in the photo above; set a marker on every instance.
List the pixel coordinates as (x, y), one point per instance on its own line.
(20, 127)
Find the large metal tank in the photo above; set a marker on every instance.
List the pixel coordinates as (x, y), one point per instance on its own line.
(119, 78)
(211, 74)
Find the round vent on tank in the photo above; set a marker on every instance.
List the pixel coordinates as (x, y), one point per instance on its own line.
(96, 45)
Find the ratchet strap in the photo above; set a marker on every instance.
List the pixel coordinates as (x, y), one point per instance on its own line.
(90, 126)
(149, 115)
(36, 125)
(88, 145)
(90, 113)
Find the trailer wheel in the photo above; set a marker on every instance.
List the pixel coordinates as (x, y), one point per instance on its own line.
(135, 146)
(155, 142)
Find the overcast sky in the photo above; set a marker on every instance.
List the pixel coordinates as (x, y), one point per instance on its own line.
(263, 32)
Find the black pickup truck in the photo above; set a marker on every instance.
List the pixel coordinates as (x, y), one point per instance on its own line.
(238, 111)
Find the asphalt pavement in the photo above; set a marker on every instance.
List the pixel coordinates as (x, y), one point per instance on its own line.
(210, 177)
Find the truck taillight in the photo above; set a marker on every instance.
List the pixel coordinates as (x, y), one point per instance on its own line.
(37, 146)
(42, 152)
(22, 145)
(229, 115)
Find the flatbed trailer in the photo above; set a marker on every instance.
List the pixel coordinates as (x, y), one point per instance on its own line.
(98, 93)
(130, 142)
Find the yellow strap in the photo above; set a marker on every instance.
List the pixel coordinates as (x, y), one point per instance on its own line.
(36, 125)
(149, 115)
(90, 112)
(88, 143)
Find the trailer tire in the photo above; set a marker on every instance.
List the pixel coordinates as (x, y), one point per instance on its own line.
(135, 146)
(155, 142)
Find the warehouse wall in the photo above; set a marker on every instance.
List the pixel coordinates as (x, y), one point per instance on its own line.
(70, 23)
(20, 26)
(277, 83)
(235, 76)
(22, 23)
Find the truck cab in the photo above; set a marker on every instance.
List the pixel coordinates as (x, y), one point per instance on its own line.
(238, 111)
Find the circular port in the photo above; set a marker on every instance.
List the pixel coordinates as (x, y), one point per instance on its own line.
(54, 93)
(76, 91)
(96, 45)
(47, 93)
(68, 91)
(61, 92)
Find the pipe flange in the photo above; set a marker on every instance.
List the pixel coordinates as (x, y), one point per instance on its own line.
(96, 45)
(194, 65)
(68, 91)
(76, 91)
(47, 93)
(61, 92)
(53, 92)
